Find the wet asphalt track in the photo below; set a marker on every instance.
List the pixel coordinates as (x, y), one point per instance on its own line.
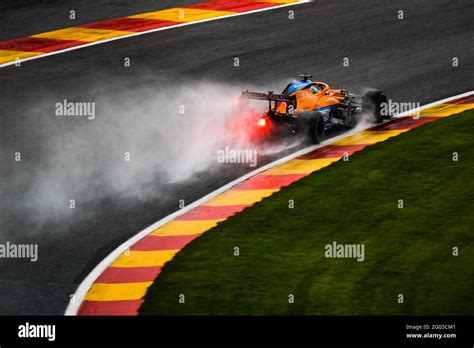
(409, 59)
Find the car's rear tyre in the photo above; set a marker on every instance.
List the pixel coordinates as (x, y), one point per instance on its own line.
(311, 124)
(372, 105)
(351, 121)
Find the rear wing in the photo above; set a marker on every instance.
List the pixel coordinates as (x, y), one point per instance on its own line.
(270, 96)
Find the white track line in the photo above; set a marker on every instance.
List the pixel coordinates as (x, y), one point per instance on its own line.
(97, 271)
(151, 31)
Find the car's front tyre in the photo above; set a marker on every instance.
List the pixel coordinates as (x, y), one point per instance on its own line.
(373, 105)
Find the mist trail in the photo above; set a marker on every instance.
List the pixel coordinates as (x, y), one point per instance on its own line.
(137, 141)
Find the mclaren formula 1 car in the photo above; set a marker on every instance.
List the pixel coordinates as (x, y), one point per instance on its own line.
(311, 108)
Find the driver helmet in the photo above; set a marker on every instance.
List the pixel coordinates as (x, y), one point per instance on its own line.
(314, 89)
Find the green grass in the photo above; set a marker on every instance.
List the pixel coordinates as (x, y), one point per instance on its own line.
(407, 251)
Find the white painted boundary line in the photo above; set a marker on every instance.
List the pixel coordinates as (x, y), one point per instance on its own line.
(97, 271)
(151, 31)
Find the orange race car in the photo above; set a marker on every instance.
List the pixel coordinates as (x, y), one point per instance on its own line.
(310, 108)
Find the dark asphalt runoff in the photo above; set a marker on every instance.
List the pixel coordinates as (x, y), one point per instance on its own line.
(411, 59)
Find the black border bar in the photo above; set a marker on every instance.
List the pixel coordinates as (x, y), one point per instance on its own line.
(195, 330)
